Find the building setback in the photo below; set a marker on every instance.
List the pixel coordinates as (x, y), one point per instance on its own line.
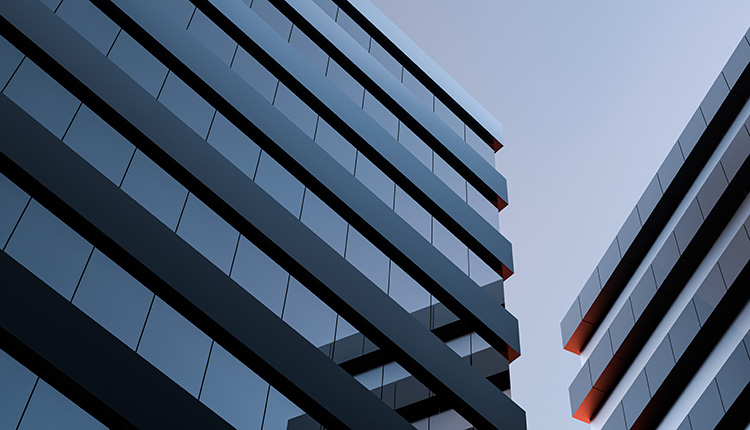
(662, 324)
(269, 214)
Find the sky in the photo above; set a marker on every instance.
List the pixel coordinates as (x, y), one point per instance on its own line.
(592, 95)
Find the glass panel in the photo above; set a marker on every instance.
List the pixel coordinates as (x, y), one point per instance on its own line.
(260, 276)
(49, 249)
(296, 110)
(17, 383)
(345, 82)
(208, 233)
(10, 58)
(374, 179)
(324, 222)
(138, 63)
(175, 346)
(212, 36)
(405, 291)
(179, 98)
(113, 298)
(413, 213)
(233, 391)
(89, 22)
(155, 190)
(450, 246)
(273, 17)
(280, 184)
(99, 144)
(367, 258)
(42, 97)
(48, 409)
(256, 75)
(307, 314)
(234, 145)
(335, 145)
(379, 113)
(309, 49)
(14, 201)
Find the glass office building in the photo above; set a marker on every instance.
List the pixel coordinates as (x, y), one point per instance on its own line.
(269, 214)
(662, 323)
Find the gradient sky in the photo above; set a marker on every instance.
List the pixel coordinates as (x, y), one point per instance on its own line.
(592, 95)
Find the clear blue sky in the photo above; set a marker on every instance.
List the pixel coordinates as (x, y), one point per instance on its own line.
(592, 94)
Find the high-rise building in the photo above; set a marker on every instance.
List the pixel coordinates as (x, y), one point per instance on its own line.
(662, 323)
(265, 214)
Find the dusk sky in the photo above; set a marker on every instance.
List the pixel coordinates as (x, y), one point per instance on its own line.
(591, 95)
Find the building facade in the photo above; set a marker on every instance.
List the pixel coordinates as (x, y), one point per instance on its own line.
(662, 323)
(269, 214)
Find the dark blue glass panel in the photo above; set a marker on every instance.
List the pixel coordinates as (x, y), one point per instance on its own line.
(49, 249)
(688, 225)
(113, 298)
(737, 152)
(707, 411)
(415, 145)
(636, 399)
(345, 82)
(99, 144)
(309, 49)
(249, 69)
(367, 258)
(279, 410)
(449, 118)
(405, 291)
(48, 409)
(212, 36)
(234, 145)
(14, 200)
(296, 110)
(735, 257)
(208, 233)
(181, 10)
(450, 177)
(709, 293)
(450, 246)
(307, 314)
(481, 147)
(354, 30)
(155, 190)
(175, 346)
(233, 391)
(379, 113)
(420, 91)
(89, 22)
(138, 63)
(712, 189)
(659, 365)
(42, 98)
(480, 272)
(324, 222)
(280, 184)
(386, 59)
(484, 207)
(328, 6)
(733, 376)
(179, 98)
(684, 330)
(260, 276)
(273, 17)
(17, 382)
(335, 145)
(413, 213)
(665, 259)
(374, 179)
(10, 58)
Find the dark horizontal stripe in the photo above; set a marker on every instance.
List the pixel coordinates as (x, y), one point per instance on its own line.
(414, 401)
(717, 126)
(292, 148)
(274, 230)
(356, 354)
(232, 96)
(737, 416)
(696, 353)
(84, 199)
(714, 223)
(423, 68)
(82, 360)
(366, 70)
